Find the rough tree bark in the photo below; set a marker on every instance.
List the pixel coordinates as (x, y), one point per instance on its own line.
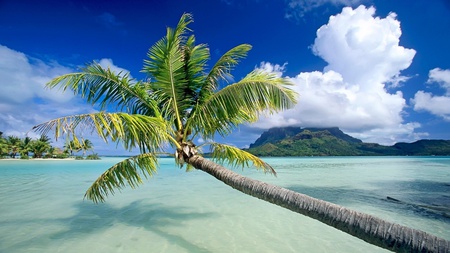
(371, 229)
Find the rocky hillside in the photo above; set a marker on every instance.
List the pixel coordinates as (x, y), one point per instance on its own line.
(296, 141)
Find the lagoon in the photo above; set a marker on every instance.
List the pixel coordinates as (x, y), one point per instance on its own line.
(42, 207)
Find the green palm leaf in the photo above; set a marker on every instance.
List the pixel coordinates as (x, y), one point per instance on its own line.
(147, 133)
(195, 59)
(166, 66)
(221, 70)
(238, 157)
(259, 92)
(127, 172)
(97, 84)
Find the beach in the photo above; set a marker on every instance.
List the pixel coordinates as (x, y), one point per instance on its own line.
(37, 159)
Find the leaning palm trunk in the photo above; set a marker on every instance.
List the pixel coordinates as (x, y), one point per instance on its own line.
(371, 229)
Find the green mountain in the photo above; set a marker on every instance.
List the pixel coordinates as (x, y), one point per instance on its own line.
(296, 141)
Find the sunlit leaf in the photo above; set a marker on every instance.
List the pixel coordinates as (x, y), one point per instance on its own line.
(130, 171)
(132, 130)
(238, 157)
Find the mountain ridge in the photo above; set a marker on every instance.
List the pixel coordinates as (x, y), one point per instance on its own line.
(297, 141)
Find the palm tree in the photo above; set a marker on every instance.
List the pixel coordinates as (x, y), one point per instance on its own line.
(71, 146)
(39, 147)
(181, 101)
(86, 145)
(3, 146)
(25, 147)
(45, 138)
(14, 144)
(50, 152)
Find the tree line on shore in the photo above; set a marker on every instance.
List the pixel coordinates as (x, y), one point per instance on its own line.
(25, 148)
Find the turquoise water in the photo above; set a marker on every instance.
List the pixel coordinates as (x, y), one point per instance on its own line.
(42, 207)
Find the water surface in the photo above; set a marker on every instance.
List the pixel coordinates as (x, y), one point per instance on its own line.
(42, 207)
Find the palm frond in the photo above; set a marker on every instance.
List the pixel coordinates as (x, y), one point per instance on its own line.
(220, 72)
(262, 91)
(242, 102)
(166, 65)
(147, 133)
(143, 101)
(127, 172)
(195, 59)
(104, 87)
(223, 67)
(238, 157)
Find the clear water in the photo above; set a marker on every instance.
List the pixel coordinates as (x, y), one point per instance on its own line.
(42, 207)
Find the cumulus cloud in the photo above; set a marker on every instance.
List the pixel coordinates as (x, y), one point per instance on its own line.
(23, 78)
(108, 63)
(272, 68)
(363, 48)
(363, 56)
(437, 105)
(442, 77)
(24, 100)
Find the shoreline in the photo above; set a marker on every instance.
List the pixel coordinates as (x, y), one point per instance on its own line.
(37, 159)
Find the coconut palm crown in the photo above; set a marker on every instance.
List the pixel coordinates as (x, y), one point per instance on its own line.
(178, 102)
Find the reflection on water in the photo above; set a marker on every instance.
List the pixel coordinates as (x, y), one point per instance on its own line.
(42, 208)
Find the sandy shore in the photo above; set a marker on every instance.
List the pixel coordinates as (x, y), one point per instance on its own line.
(37, 159)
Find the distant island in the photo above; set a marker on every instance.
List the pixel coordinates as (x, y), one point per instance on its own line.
(297, 141)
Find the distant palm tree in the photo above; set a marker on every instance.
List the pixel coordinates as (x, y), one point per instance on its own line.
(13, 143)
(71, 146)
(25, 146)
(3, 146)
(51, 152)
(86, 145)
(38, 148)
(45, 138)
(180, 101)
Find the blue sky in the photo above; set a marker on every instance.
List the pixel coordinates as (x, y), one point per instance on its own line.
(378, 69)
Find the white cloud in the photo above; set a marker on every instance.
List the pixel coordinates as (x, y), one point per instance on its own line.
(442, 77)
(437, 105)
(108, 63)
(400, 133)
(270, 68)
(24, 100)
(363, 48)
(363, 56)
(24, 78)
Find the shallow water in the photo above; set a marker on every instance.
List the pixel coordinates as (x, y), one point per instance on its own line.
(42, 207)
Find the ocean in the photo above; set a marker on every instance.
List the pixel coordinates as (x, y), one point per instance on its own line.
(42, 207)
